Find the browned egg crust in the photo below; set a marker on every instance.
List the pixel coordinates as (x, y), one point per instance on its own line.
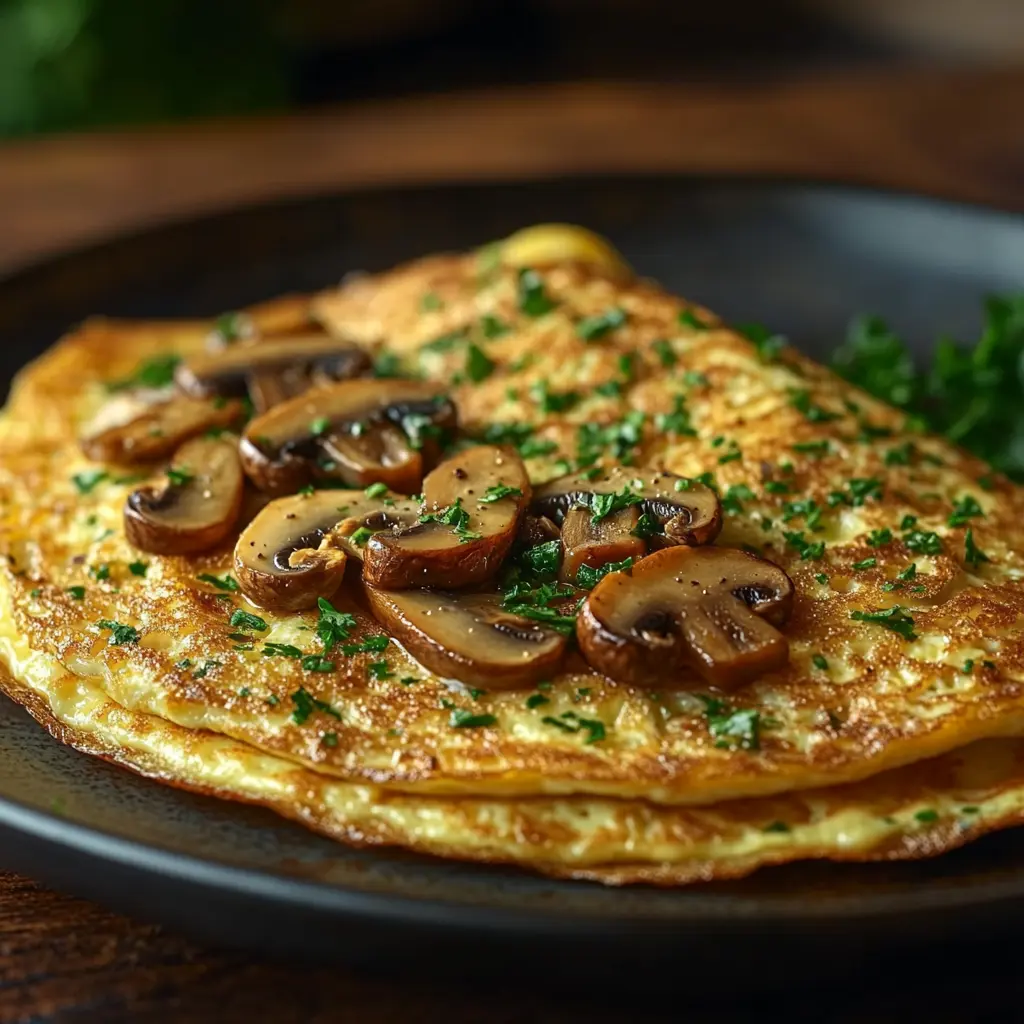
(855, 699)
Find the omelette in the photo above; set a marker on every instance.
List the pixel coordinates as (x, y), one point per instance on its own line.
(605, 586)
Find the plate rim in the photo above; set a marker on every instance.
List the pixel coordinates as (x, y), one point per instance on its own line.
(719, 910)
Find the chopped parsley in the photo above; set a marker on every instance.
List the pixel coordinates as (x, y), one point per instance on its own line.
(462, 719)
(179, 476)
(332, 626)
(100, 572)
(372, 644)
(879, 538)
(603, 505)
(491, 327)
(732, 500)
(812, 447)
(865, 563)
(454, 516)
(543, 559)
(243, 620)
(927, 815)
(533, 299)
(232, 327)
(592, 328)
(553, 401)
(156, 372)
(536, 700)
(319, 426)
(280, 650)
(306, 704)
(901, 454)
(894, 618)
(766, 343)
(77, 592)
(820, 662)
(360, 536)
(730, 727)
(379, 670)
(677, 421)
(120, 634)
(588, 577)
(88, 479)
(776, 826)
(138, 568)
(965, 509)
(666, 354)
(479, 366)
(498, 491)
(317, 663)
(924, 542)
(570, 722)
(687, 318)
(225, 582)
(376, 490)
(807, 550)
(973, 555)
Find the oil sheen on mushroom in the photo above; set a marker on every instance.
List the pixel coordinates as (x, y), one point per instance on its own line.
(713, 611)
(358, 432)
(472, 507)
(199, 505)
(296, 548)
(136, 429)
(469, 637)
(271, 371)
(624, 513)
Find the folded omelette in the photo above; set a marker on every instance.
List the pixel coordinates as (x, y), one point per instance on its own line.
(510, 555)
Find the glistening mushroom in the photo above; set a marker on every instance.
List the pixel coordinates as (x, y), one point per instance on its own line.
(198, 506)
(296, 549)
(358, 431)
(472, 507)
(134, 429)
(271, 371)
(623, 513)
(469, 637)
(710, 610)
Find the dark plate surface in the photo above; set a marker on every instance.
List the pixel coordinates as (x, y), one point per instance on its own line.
(800, 258)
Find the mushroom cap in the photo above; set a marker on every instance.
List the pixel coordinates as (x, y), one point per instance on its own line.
(473, 503)
(710, 610)
(689, 512)
(356, 431)
(150, 430)
(295, 550)
(196, 514)
(469, 637)
(271, 371)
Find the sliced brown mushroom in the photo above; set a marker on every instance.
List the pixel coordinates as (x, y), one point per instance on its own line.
(710, 610)
(271, 371)
(359, 432)
(141, 431)
(612, 539)
(469, 637)
(623, 512)
(472, 507)
(197, 508)
(295, 550)
(534, 530)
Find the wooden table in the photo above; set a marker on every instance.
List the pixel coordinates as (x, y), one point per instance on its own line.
(957, 134)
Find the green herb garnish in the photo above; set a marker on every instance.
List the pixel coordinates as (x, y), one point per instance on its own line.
(120, 634)
(592, 328)
(894, 618)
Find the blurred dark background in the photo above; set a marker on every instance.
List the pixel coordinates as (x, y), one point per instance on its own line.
(70, 64)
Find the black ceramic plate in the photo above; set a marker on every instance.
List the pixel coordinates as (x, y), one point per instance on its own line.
(800, 258)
